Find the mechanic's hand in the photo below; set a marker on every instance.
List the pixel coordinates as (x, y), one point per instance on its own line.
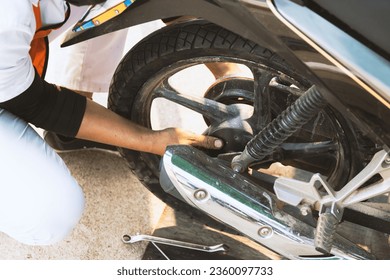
(177, 136)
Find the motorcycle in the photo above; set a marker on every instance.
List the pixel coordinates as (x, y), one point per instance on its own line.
(305, 121)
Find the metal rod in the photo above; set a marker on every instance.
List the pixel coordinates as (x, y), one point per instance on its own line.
(161, 251)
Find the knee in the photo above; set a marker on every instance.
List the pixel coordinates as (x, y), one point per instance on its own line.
(62, 215)
(49, 219)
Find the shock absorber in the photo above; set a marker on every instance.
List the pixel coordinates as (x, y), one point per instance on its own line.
(275, 133)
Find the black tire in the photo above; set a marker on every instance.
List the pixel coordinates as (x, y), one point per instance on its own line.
(169, 49)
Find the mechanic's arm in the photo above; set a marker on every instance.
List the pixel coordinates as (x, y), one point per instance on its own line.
(102, 125)
(65, 112)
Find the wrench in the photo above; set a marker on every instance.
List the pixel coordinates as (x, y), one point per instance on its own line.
(176, 243)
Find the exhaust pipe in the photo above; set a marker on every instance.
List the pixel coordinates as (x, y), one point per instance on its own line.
(208, 184)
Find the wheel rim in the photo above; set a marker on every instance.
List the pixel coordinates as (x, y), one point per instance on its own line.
(320, 146)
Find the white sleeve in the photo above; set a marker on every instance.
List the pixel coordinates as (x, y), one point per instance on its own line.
(17, 28)
(52, 11)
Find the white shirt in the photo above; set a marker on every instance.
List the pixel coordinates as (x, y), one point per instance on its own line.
(17, 29)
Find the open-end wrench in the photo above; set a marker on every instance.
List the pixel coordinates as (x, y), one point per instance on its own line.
(176, 243)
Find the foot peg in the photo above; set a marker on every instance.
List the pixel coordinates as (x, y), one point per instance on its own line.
(325, 232)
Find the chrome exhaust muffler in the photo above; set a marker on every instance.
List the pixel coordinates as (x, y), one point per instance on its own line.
(209, 185)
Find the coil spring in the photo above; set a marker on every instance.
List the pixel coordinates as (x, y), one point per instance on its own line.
(286, 124)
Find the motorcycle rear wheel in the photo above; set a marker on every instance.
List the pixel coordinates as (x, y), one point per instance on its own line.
(169, 58)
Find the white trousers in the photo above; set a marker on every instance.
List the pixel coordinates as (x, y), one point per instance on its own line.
(40, 202)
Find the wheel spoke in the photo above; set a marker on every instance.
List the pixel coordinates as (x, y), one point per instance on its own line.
(213, 110)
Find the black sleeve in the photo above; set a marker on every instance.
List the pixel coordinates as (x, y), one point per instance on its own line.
(48, 107)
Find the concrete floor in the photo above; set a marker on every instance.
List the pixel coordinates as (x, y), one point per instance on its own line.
(116, 204)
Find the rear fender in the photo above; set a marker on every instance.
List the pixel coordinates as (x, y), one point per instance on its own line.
(226, 13)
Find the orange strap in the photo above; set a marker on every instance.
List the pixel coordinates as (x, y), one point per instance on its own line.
(39, 44)
(39, 50)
